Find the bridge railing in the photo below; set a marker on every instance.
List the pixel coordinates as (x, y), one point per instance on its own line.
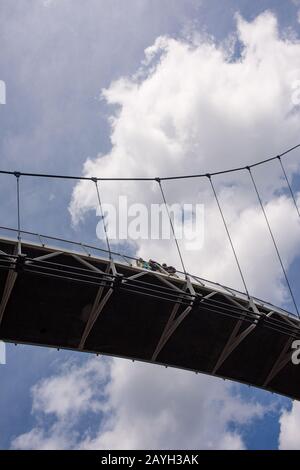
(42, 240)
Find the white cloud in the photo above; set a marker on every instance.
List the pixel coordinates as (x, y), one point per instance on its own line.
(145, 406)
(289, 437)
(48, 3)
(73, 391)
(194, 108)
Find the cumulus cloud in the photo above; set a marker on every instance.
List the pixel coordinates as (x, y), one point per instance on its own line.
(140, 406)
(73, 391)
(289, 437)
(195, 106)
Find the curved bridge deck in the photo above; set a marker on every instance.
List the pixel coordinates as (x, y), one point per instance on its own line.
(67, 300)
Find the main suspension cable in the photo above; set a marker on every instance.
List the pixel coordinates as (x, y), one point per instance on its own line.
(202, 175)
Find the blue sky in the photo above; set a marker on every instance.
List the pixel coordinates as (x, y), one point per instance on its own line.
(56, 58)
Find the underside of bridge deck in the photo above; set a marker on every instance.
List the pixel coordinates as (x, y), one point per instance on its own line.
(65, 300)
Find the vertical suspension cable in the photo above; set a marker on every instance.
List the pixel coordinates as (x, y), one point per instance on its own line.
(171, 224)
(17, 175)
(228, 234)
(289, 185)
(273, 239)
(102, 215)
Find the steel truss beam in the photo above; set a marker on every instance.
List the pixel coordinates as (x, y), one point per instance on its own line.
(198, 281)
(173, 324)
(76, 257)
(157, 276)
(233, 342)
(136, 276)
(9, 284)
(163, 337)
(165, 281)
(47, 256)
(98, 306)
(87, 264)
(3, 253)
(235, 338)
(235, 302)
(9, 256)
(161, 279)
(283, 359)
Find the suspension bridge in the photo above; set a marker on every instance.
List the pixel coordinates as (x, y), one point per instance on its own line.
(105, 304)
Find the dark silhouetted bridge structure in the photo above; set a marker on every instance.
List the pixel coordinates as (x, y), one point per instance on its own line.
(105, 304)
